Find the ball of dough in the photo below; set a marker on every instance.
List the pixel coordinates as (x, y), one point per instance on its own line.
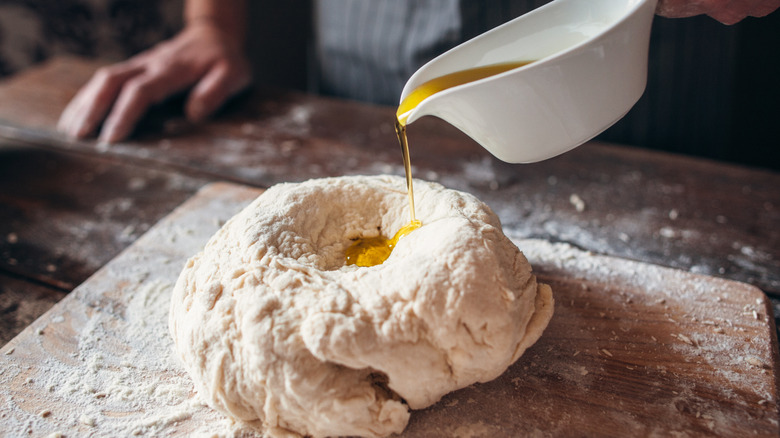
(277, 331)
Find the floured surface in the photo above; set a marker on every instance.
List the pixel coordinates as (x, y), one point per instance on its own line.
(633, 349)
(99, 363)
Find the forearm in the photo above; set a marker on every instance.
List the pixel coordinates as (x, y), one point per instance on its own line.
(228, 15)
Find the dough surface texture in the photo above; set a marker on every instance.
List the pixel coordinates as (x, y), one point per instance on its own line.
(277, 331)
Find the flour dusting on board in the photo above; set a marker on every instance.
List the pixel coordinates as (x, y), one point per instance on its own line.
(101, 394)
(109, 369)
(708, 311)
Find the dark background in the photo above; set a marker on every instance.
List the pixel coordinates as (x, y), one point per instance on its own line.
(713, 90)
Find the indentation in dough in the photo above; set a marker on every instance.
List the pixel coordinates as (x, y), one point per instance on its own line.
(277, 331)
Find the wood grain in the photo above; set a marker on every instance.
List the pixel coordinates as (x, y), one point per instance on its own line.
(63, 216)
(21, 303)
(633, 350)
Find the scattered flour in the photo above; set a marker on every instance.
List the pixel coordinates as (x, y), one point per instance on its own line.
(129, 385)
(109, 368)
(115, 367)
(693, 300)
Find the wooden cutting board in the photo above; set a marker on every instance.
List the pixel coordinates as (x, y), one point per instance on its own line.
(633, 350)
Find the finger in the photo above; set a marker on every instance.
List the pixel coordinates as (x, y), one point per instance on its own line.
(220, 83)
(137, 95)
(728, 17)
(764, 8)
(736, 11)
(89, 107)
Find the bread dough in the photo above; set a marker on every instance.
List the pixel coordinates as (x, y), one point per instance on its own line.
(277, 331)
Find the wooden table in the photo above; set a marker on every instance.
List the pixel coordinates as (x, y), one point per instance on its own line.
(68, 207)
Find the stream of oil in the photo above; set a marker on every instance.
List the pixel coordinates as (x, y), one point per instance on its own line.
(373, 251)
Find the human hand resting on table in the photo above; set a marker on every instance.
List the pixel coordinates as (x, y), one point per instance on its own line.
(725, 11)
(206, 57)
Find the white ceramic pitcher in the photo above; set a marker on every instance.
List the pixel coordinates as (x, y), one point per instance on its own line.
(589, 69)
